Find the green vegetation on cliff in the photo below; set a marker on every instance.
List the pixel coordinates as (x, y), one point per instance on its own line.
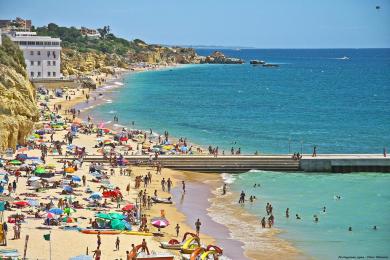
(72, 38)
(11, 55)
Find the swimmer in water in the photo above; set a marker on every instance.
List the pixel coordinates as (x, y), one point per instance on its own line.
(374, 228)
(287, 213)
(350, 229)
(251, 198)
(297, 216)
(254, 186)
(315, 218)
(324, 209)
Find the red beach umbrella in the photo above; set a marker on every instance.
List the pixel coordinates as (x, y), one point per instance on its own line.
(128, 207)
(21, 204)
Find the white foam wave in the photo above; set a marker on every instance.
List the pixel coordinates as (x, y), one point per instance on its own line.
(109, 101)
(228, 178)
(118, 83)
(112, 112)
(118, 125)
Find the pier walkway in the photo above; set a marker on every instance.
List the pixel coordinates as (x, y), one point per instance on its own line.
(342, 163)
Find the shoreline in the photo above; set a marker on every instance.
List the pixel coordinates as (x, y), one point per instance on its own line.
(235, 237)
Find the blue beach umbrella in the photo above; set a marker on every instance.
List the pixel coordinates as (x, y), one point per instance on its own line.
(56, 211)
(76, 178)
(96, 196)
(67, 188)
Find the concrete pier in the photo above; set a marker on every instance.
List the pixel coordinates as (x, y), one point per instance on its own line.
(341, 163)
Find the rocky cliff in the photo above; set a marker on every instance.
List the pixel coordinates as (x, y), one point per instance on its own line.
(18, 109)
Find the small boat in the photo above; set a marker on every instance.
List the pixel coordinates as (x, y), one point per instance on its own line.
(146, 256)
(345, 58)
(100, 231)
(256, 62)
(173, 244)
(162, 200)
(137, 233)
(269, 65)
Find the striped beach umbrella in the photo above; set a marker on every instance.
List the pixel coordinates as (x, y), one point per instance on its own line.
(160, 222)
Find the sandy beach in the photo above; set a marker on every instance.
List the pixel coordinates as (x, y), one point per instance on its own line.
(224, 223)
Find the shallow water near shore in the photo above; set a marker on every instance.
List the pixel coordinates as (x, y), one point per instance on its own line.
(365, 202)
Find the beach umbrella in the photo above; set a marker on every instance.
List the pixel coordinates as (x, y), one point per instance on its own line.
(115, 215)
(36, 161)
(96, 196)
(50, 215)
(34, 178)
(69, 170)
(23, 149)
(33, 202)
(160, 222)
(81, 257)
(68, 220)
(69, 210)
(117, 224)
(67, 188)
(128, 207)
(76, 178)
(50, 166)
(40, 171)
(15, 162)
(21, 204)
(56, 211)
(104, 216)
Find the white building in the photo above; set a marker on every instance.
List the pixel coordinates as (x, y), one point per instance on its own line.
(42, 54)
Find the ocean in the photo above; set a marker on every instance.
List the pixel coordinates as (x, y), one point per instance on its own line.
(314, 97)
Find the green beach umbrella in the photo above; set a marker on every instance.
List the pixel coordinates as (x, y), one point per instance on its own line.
(115, 215)
(15, 162)
(69, 210)
(117, 224)
(104, 216)
(40, 171)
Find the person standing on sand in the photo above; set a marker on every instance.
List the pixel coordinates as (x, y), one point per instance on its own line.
(117, 242)
(99, 240)
(197, 226)
(224, 189)
(169, 184)
(183, 186)
(177, 230)
(97, 253)
(84, 180)
(384, 152)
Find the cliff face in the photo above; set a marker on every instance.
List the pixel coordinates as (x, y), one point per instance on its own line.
(18, 109)
(74, 62)
(157, 54)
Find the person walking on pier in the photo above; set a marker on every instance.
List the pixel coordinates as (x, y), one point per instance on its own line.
(314, 151)
(384, 152)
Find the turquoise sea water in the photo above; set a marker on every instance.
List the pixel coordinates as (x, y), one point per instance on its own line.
(365, 202)
(313, 98)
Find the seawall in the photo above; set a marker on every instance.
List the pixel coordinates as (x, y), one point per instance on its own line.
(237, 164)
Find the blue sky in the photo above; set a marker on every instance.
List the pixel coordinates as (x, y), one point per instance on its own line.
(252, 23)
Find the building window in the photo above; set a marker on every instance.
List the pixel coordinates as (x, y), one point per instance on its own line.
(39, 74)
(54, 73)
(54, 54)
(48, 73)
(32, 63)
(32, 73)
(48, 53)
(31, 52)
(48, 63)
(54, 62)
(39, 63)
(39, 52)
